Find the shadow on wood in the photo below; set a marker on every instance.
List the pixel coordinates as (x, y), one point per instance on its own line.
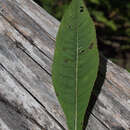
(96, 89)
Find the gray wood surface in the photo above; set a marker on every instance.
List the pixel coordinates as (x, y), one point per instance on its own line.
(27, 97)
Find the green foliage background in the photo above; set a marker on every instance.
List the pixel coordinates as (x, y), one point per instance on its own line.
(112, 20)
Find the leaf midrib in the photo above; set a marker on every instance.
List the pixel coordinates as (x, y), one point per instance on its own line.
(76, 89)
(77, 58)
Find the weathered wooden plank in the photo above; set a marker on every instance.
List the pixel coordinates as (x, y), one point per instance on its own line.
(45, 20)
(3, 126)
(25, 45)
(118, 77)
(92, 118)
(95, 124)
(10, 117)
(113, 85)
(15, 36)
(112, 110)
(18, 109)
(27, 27)
(31, 76)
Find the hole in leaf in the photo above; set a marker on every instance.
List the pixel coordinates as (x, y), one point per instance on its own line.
(81, 51)
(66, 60)
(81, 8)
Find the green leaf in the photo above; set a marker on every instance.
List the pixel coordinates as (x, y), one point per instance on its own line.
(95, 1)
(100, 17)
(75, 66)
(128, 70)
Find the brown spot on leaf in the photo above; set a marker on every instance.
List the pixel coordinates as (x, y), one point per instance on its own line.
(57, 94)
(64, 49)
(66, 60)
(91, 46)
(70, 26)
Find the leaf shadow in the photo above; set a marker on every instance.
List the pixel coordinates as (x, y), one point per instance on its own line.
(96, 89)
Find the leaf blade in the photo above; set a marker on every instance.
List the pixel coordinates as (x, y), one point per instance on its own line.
(71, 72)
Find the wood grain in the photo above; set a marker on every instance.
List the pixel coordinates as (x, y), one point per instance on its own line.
(27, 40)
